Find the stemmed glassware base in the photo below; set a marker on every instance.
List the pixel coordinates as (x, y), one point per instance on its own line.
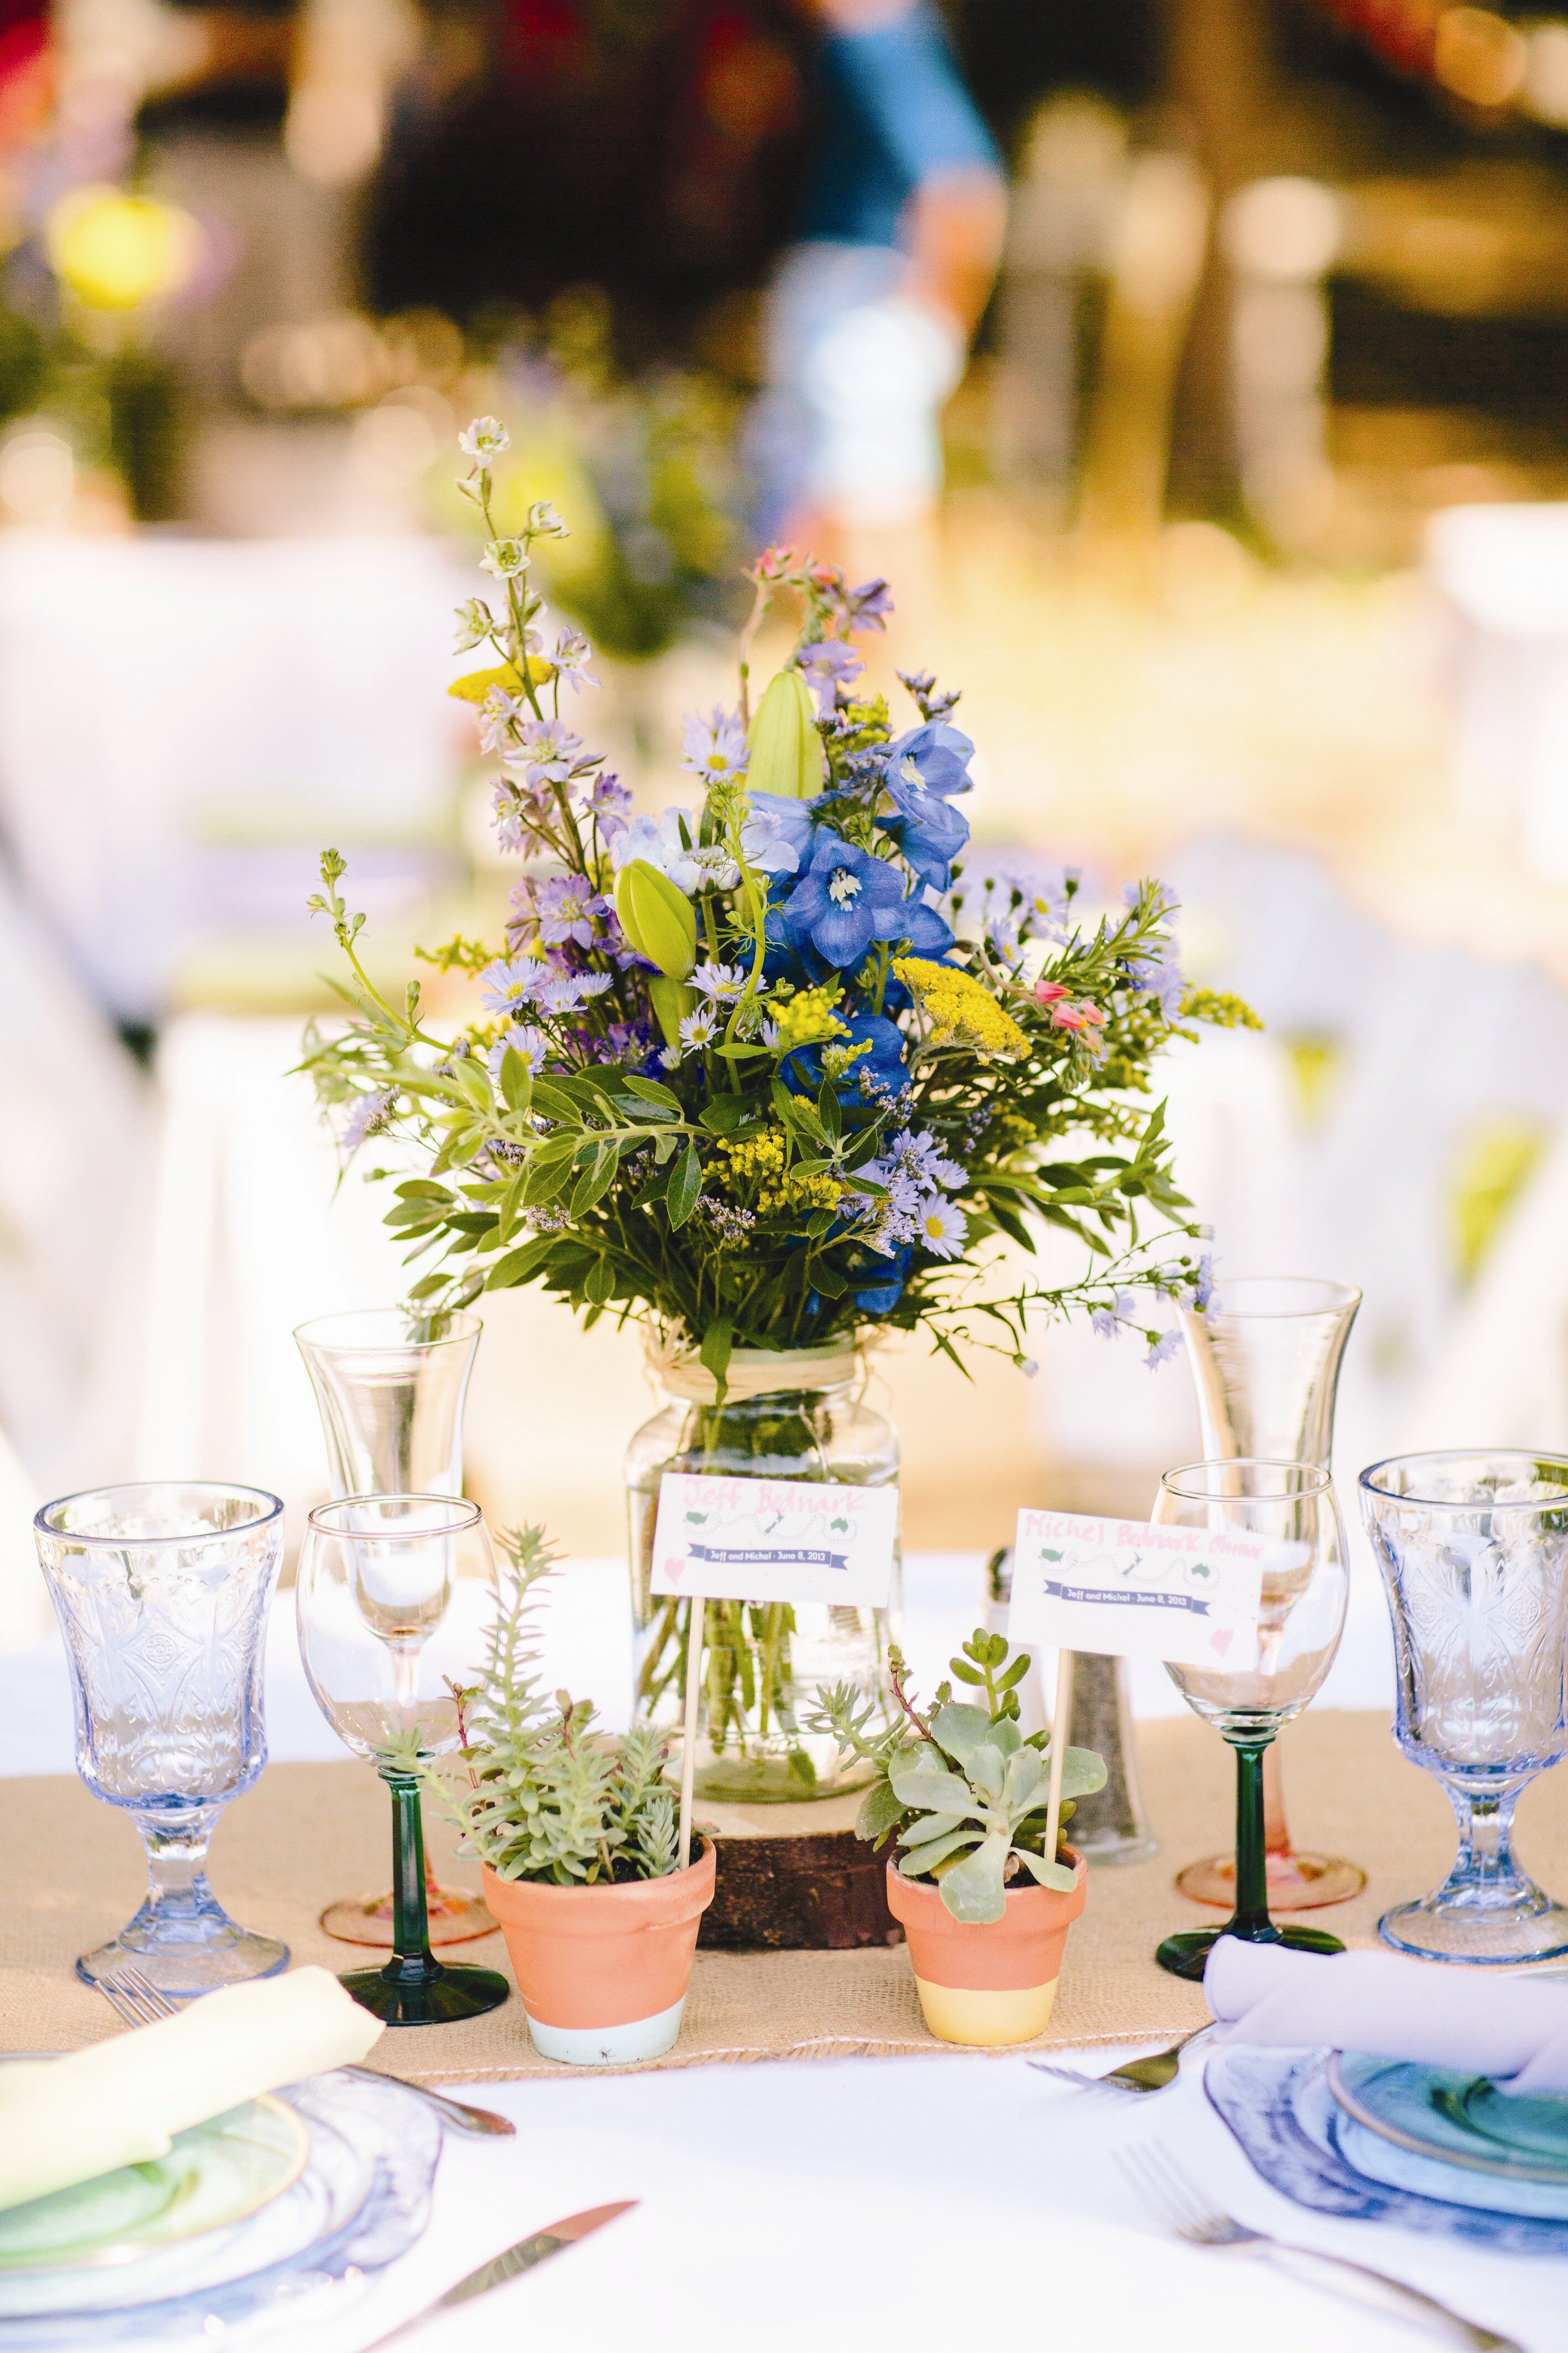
(1491, 1918)
(1297, 1882)
(406, 1994)
(453, 1918)
(190, 1951)
(1185, 1954)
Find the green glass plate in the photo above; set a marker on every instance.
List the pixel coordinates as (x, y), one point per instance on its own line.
(1459, 2119)
(214, 2175)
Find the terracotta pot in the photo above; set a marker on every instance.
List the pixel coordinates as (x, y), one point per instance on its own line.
(992, 1984)
(603, 1972)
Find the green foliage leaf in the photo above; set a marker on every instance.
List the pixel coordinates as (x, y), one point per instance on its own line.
(717, 1341)
(684, 1188)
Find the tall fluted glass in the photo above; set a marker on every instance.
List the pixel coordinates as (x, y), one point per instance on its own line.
(1474, 1553)
(1265, 1359)
(162, 1594)
(390, 1384)
(1305, 1586)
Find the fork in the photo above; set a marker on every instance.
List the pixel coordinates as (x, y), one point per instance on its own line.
(1151, 2074)
(135, 2000)
(1159, 2181)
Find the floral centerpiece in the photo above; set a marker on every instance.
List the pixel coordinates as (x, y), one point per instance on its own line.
(770, 1072)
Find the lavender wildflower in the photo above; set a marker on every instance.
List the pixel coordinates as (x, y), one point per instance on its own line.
(714, 748)
(826, 667)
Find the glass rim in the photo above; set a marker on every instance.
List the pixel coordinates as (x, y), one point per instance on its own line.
(466, 1326)
(1318, 1478)
(465, 1514)
(1337, 1296)
(1368, 1479)
(44, 1523)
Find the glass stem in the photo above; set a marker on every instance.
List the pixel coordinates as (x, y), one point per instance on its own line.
(412, 1961)
(177, 1886)
(1486, 1839)
(1250, 1919)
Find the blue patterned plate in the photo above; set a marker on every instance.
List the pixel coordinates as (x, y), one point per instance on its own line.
(1457, 2118)
(1277, 2105)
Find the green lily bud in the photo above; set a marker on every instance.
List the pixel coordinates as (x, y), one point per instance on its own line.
(787, 751)
(657, 918)
(671, 999)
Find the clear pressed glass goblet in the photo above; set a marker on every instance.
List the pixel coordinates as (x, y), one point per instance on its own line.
(1305, 1590)
(393, 1599)
(390, 1384)
(1265, 1358)
(1474, 1553)
(162, 1594)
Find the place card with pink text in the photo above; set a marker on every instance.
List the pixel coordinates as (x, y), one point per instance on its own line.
(1135, 1591)
(774, 1540)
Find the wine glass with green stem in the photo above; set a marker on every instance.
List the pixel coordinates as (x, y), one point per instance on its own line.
(395, 1598)
(1305, 1587)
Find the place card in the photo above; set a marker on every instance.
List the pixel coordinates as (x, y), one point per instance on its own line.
(774, 1540)
(1134, 1590)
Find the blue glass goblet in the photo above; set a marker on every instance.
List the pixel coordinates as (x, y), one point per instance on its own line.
(161, 1594)
(1473, 1548)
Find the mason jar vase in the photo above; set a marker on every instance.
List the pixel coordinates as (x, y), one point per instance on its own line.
(793, 1414)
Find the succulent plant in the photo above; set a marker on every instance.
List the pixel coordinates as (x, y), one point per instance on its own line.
(963, 1789)
(542, 1794)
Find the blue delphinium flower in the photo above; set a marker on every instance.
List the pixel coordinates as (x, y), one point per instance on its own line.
(872, 1049)
(778, 832)
(928, 830)
(939, 755)
(843, 902)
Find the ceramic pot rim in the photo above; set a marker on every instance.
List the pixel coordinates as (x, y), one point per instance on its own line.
(1012, 1896)
(585, 1911)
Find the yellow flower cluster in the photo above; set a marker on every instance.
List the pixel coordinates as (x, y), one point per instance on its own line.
(761, 1160)
(807, 1017)
(962, 1012)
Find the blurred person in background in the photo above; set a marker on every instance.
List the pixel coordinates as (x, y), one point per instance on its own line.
(869, 315)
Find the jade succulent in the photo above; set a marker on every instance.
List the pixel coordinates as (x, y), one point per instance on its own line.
(963, 1788)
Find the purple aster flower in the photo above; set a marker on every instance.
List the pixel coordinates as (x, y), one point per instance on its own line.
(546, 749)
(568, 907)
(562, 992)
(528, 1042)
(1160, 979)
(844, 901)
(610, 807)
(507, 984)
(1108, 1321)
(714, 748)
(1165, 1346)
(1204, 1290)
(827, 666)
(368, 1115)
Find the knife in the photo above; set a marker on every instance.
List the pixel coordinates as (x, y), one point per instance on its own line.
(505, 2267)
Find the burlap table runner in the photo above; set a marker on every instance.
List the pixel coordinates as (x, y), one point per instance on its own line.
(307, 1833)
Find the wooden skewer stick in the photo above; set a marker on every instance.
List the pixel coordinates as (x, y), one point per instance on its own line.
(689, 1735)
(1061, 1722)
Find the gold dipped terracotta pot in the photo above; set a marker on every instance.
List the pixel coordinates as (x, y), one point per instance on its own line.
(994, 1984)
(602, 1970)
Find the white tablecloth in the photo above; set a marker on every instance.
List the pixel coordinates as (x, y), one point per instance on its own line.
(871, 2204)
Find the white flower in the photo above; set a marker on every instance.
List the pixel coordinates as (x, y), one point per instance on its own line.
(766, 845)
(544, 521)
(696, 1028)
(485, 439)
(716, 870)
(475, 621)
(562, 992)
(505, 559)
(723, 981)
(571, 655)
(657, 840)
(942, 1230)
(497, 714)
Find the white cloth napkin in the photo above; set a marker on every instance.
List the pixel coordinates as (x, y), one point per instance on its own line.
(121, 2102)
(1515, 2029)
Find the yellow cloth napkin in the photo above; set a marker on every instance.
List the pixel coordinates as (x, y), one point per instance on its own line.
(121, 2102)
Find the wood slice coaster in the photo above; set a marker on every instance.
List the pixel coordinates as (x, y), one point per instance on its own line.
(794, 1879)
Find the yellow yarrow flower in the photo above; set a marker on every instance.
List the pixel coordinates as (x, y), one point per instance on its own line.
(761, 1160)
(962, 1012)
(808, 1018)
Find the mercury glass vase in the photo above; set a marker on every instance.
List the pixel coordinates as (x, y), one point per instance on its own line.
(390, 1384)
(1265, 1359)
(1474, 1553)
(793, 1414)
(162, 1593)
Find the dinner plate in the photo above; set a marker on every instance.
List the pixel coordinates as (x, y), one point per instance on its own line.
(1278, 2106)
(215, 2174)
(360, 2200)
(1459, 2119)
